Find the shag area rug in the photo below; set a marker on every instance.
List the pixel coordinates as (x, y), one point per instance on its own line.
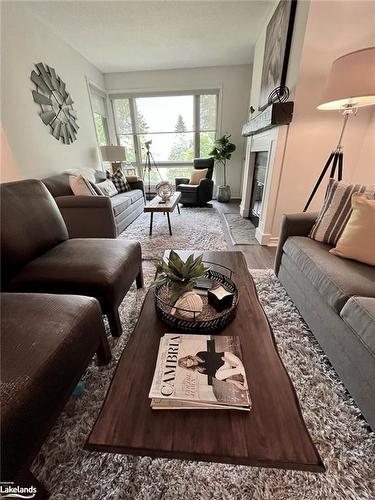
(343, 439)
(241, 230)
(194, 229)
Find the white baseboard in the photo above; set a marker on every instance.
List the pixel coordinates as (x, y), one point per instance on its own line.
(273, 242)
(266, 239)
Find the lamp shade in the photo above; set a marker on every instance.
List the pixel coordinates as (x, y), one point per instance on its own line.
(113, 153)
(351, 81)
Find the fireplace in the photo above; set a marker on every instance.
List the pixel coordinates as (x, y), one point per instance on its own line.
(257, 192)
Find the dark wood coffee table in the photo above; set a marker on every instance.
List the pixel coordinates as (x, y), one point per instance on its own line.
(272, 434)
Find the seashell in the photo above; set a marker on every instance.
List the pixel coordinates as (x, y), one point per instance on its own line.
(192, 302)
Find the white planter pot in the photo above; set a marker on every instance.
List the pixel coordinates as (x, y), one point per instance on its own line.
(224, 194)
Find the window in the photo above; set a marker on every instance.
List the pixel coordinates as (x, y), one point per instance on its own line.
(181, 128)
(99, 108)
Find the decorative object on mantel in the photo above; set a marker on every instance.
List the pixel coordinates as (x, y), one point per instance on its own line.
(165, 190)
(177, 302)
(222, 152)
(277, 47)
(279, 113)
(279, 94)
(351, 85)
(114, 155)
(149, 163)
(55, 102)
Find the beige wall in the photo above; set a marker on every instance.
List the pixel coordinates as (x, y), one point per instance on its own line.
(233, 82)
(333, 29)
(27, 142)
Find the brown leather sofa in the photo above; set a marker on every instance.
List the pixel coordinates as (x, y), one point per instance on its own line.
(47, 342)
(199, 195)
(38, 256)
(95, 216)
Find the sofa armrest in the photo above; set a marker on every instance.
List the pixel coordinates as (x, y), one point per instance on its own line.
(138, 184)
(88, 216)
(206, 190)
(298, 224)
(181, 180)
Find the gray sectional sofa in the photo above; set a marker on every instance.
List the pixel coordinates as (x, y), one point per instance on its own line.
(95, 216)
(336, 297)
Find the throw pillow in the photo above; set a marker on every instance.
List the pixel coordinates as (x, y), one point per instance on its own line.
(197, 176)
(119, 181)
(80, 186)
(336, 210)
(107, 188)
(357, 241)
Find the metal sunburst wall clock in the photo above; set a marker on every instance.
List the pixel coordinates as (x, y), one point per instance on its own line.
(55, 102)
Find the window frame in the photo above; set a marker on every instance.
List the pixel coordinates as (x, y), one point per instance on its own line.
(95, 91)
(132, 96)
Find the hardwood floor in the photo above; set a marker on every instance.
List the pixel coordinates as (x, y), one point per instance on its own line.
(257, 256)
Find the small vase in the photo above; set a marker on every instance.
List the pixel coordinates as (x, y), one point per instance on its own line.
(224, 194)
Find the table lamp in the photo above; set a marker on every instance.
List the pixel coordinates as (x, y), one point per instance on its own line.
(114, 155)
(350, 85)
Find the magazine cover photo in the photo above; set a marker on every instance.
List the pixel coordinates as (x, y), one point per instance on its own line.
(203, 369)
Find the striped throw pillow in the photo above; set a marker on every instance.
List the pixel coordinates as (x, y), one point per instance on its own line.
(336, 210)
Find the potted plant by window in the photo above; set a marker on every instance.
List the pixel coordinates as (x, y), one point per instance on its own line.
(222, 152)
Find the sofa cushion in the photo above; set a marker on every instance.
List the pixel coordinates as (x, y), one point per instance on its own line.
(136, 194)
(96, 267)
(359, 314)
(334, 278)
(121, 202)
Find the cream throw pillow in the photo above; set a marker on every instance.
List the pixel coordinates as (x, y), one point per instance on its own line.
(80, 186)
(197, 176)
(357, 241)
(107, 188)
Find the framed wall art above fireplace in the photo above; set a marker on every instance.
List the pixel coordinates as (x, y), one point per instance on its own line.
(277, 47)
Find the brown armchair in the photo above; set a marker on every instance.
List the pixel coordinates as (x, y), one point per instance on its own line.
(202, 193)
(38, 256)
(47, 342)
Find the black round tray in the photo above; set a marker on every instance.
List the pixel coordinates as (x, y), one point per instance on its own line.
(196, 325)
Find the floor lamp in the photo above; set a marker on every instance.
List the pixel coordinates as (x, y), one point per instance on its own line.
(351, 85)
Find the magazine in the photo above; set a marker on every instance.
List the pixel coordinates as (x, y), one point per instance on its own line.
(199, 372)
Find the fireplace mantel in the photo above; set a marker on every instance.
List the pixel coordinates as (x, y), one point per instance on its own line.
(279, 113)
(272, 141)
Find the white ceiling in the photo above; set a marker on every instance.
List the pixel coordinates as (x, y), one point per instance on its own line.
(142, 35)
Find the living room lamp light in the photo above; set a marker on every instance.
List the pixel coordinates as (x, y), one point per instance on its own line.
(114, 155)
(350, 85)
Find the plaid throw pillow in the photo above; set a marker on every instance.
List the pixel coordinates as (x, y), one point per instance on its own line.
(119, 181)
(336, 210)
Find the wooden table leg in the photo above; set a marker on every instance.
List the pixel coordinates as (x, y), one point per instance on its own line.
(151, 221)
(169, 224)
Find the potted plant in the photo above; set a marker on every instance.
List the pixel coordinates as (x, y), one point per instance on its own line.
(181, 278)
(222, 152)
